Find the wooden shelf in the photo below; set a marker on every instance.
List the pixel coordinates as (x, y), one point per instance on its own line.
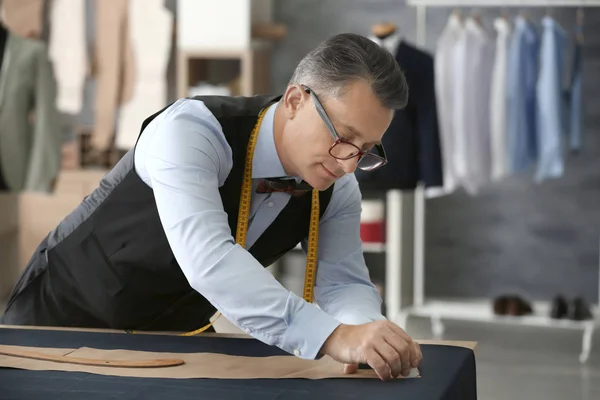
(250, 67)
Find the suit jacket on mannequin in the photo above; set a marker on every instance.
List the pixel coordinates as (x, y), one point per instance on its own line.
(412, 141)
(30, 127)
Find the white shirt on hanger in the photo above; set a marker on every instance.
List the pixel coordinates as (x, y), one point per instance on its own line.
(68, 53)
(445, 85)
(498, 100)
(473, 63)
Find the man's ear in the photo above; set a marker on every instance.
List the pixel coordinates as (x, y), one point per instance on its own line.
(294, 98)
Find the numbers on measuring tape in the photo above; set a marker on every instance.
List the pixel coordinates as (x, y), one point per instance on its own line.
(313, 244)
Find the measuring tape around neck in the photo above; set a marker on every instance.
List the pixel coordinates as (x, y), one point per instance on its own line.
(242, 224)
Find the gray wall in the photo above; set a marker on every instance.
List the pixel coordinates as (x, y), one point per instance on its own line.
(516, 236)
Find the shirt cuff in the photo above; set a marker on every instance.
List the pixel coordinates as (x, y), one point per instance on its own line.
(356, 317)
(307, 331)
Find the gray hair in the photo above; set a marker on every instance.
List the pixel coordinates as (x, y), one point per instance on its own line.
(347, 57)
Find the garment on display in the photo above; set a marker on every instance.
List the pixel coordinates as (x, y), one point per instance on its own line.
(115, 68)
(150, 26)
(574, 91)
(445, 89)
(520, 125)
(498, 104)
(473, 64)
(550, 112)
(67, 31)
(412, 140)
(30, 126)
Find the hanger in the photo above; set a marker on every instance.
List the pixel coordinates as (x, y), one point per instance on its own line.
(383, 29)
(476, 16)
(524, 14)
(504, 14)
(457, 13)
(580, 16)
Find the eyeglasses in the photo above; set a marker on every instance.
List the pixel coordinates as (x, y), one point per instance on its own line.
(342, 149)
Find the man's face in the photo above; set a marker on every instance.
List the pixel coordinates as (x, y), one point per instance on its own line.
(357, 116)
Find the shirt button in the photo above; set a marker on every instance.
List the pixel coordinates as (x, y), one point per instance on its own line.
(270, 204)
(297, 352)
(247, 330)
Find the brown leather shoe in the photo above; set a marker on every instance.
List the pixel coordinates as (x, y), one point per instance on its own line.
(500, 304)
(511, 305)
(518, 307)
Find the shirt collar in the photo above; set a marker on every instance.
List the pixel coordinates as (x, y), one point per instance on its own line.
(502, 25)
(266, 162)
(390, 43)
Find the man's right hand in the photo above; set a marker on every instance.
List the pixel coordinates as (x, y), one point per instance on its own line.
(381, 344)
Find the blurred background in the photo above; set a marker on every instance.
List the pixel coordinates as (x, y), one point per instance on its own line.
(484, 226)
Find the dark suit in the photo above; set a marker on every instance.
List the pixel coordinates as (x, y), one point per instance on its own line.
(412, 141)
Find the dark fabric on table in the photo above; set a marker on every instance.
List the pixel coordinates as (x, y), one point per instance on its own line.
(447, 373)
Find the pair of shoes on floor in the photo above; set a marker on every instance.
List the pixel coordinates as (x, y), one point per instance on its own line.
(577, 310)
(512, 305)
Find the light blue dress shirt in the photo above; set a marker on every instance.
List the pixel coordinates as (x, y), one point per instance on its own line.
(574, 96)
(184, 157)
(550, 110)
(522, 76)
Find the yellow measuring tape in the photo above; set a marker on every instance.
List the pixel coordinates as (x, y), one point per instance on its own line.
(242, 224)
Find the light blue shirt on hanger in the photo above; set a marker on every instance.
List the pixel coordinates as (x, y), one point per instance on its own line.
(574, 96)
(521, 109)
(550, 106)
(184, 157)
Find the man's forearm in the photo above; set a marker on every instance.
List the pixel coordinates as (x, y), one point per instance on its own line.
(351, 304)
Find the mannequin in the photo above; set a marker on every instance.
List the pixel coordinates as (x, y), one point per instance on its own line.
(387, 35)
(413, 140)
(383, 30)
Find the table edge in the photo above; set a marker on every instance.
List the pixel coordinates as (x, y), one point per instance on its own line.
(471, 345)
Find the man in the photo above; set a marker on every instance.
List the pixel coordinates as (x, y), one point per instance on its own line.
(152, 248)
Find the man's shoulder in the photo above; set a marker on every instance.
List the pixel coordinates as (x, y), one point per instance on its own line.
(224, 107)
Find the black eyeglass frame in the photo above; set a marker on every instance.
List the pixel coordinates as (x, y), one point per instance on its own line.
(338, 139)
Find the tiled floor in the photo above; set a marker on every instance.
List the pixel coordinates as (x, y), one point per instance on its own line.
(526, 363)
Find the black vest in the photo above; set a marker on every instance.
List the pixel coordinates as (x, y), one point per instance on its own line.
(110, 257)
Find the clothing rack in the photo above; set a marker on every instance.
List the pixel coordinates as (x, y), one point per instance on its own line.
(399, 311)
